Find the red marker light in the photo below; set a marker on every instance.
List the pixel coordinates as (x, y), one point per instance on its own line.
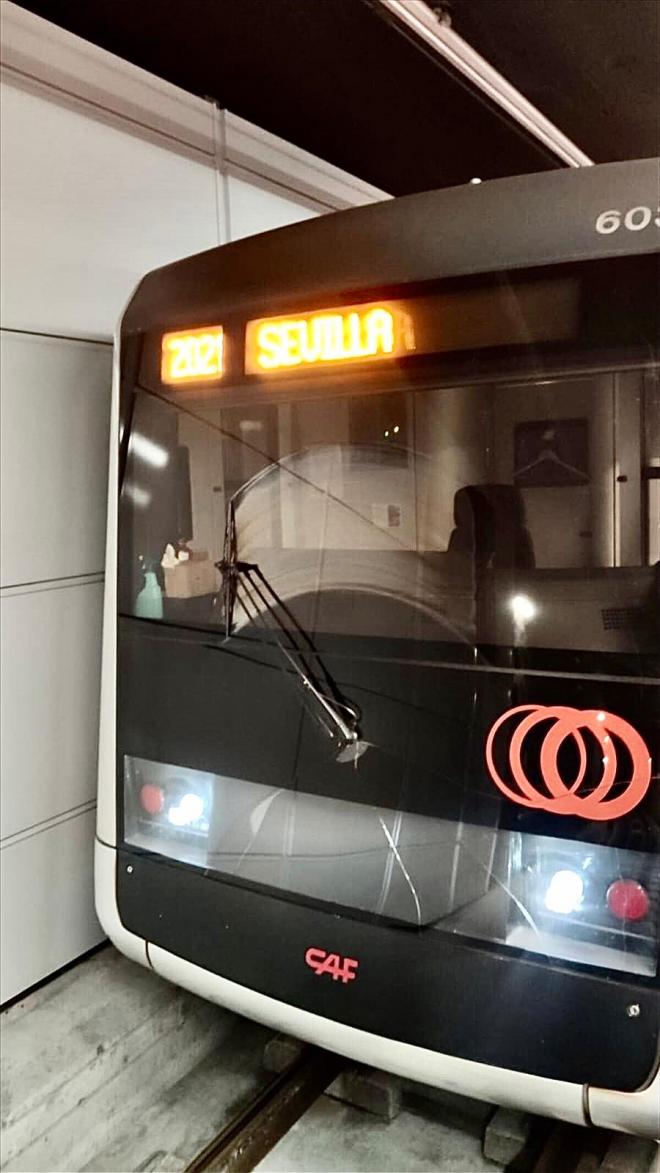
(627, 900)
(152, 799)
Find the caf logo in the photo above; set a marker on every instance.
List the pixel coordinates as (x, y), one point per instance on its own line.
(566, 797)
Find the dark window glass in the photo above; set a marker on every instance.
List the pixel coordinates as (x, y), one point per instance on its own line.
(516, 516)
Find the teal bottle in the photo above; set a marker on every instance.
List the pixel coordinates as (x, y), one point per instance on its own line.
(149, 603)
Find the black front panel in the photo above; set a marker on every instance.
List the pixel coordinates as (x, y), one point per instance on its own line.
(195, 700)
(413, 832)
(458, 1000)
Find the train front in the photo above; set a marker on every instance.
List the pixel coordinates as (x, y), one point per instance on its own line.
(384, 765)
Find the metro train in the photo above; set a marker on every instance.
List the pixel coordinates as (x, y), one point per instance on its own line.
(379, 752)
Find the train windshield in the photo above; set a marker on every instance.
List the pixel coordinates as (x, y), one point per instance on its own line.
(391, 643)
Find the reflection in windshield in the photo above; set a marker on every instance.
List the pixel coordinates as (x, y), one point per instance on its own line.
(340, 539)
(448, 502)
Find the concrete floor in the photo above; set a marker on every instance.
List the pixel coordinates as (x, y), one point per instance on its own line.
(186, 1116)
(109, 1069)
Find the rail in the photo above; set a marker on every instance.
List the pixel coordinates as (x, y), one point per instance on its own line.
(242, 1143)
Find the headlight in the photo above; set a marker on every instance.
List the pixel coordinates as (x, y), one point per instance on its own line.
(564, 892)
(189, 811)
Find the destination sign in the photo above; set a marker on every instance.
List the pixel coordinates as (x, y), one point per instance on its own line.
(323, 340)
(348, 334)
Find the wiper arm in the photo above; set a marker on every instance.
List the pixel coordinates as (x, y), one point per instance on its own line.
(332, 707)
(339, 718)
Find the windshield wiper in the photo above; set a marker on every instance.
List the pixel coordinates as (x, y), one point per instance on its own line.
(246, 584)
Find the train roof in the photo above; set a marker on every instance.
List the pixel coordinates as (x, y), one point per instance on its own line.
(520, 222)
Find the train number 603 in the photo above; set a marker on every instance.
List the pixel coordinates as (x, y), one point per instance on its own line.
(634, 220)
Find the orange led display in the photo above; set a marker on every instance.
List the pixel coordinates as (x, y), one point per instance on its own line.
(331, 336)
(192, 356)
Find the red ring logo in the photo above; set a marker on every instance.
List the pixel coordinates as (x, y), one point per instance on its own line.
(564, 798)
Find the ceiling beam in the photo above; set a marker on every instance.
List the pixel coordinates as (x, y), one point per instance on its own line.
(414, 16)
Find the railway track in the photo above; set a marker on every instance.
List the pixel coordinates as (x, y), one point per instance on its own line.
(553, 1147)
(242, 1143)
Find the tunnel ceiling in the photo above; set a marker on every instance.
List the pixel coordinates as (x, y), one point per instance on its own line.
(335, 78)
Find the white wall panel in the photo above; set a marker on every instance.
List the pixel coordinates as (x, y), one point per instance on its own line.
(89, 208)
(50, 679)
(47, 902)
(107, 173)
(253, 209)
(54, 416)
